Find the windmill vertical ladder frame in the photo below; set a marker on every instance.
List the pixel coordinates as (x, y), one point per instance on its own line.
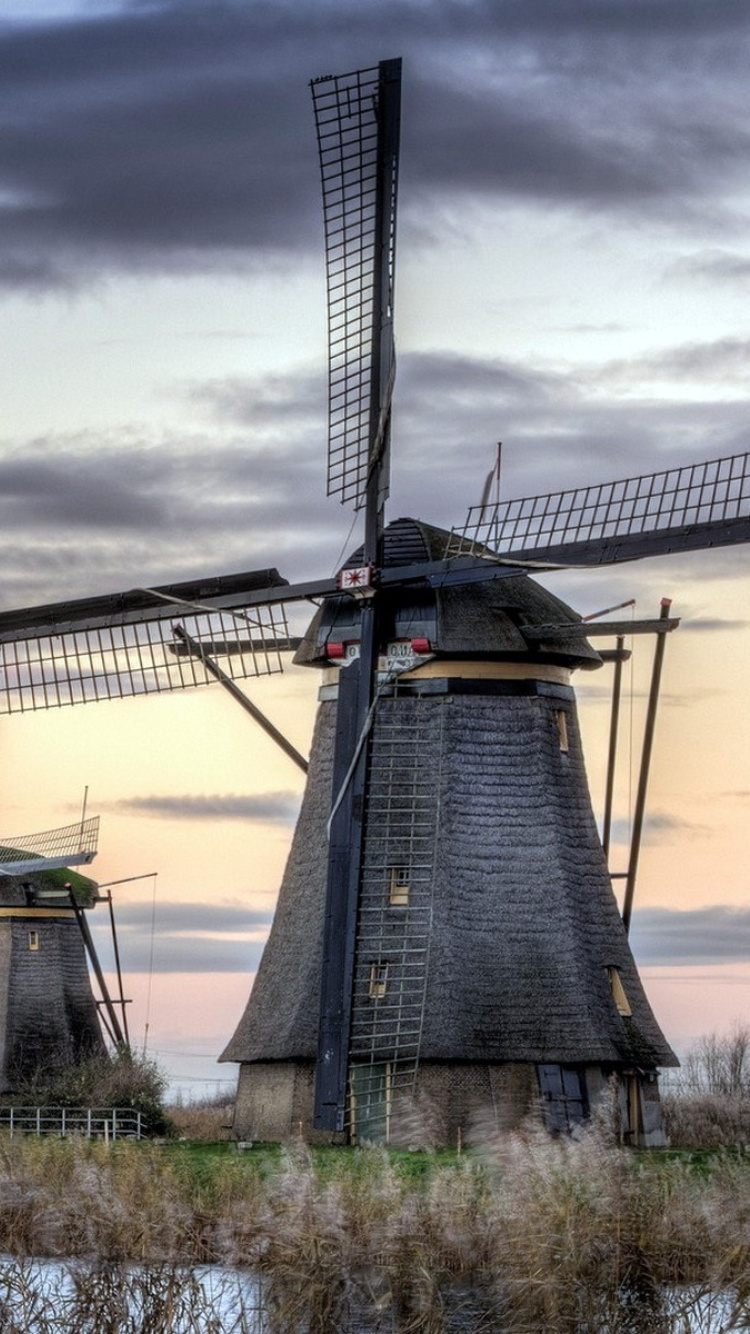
(401, 832)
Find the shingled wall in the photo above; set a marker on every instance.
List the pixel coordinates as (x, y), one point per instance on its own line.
(525, 924)
(48, 1017)
(525, 936)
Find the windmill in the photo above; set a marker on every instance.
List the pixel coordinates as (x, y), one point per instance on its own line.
(446, 938)
(48, 1015)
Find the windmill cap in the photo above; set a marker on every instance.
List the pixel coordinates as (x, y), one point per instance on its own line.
(482, 619)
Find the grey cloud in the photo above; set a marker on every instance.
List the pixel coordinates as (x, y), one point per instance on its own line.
(712, 935)
(188, 937)
(716, 265)
(709, 623)
(272, 807)
(657, 828)
(280, 401)
(100, 512)
(724, 359)
(188, 918)
(179, 135)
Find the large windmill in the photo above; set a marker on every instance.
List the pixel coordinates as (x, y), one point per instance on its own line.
(446, 943)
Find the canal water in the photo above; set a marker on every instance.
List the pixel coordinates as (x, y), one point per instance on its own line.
(72, 1297)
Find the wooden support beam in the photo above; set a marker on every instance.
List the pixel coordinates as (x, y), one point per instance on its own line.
(662, 626)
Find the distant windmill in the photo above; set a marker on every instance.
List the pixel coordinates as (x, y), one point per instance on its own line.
(48, 1016)
(446, 939)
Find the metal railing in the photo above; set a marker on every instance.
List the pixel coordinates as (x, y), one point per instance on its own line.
(79, 840)
(111, 1123)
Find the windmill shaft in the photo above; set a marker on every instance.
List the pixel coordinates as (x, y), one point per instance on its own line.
(682, 509)
(612, 751)
(135, 605)
(58, 618)
(355, 701)
(636, 546)
(342, 893)
(382, 355)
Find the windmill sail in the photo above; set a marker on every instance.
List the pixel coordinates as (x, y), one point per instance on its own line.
(682, 509)
(126, 644)
(358, 122)
(357, 117)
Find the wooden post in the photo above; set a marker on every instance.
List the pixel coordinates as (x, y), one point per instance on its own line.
(613, 725)
(648, 741)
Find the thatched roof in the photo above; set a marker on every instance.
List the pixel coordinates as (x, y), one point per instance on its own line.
(18, 889)
(480, 619)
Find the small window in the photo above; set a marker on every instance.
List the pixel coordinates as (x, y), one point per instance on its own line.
(619, 995)
(33, 940)
(562, 729)
(378, 980)
(398, 886)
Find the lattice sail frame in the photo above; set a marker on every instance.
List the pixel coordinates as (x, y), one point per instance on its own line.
(68, 845)
(613, 518)
(359, 212)
(120, 658)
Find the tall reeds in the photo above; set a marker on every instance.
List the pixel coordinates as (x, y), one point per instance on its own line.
(525, 1234)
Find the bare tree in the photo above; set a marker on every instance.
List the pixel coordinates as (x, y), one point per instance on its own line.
(719, 1064)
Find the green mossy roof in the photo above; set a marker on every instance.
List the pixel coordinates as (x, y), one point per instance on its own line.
(84, 889)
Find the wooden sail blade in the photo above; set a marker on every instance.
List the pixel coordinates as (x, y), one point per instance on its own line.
(690, 508)
(124, 644)
(357, 117)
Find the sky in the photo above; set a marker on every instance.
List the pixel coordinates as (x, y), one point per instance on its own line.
(573, 275)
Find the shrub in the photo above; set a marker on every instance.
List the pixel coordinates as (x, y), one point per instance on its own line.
(706, 1120)
(205, 1119)
(719, 1064)
(121, 1080)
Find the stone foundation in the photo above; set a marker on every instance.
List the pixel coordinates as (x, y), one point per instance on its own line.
(453, 1104)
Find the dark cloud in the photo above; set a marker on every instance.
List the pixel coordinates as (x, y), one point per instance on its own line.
(712, 935)
(657, 828)
(715, 265)
(724, 359)
(98, 512)
(710, 623)
(271, 807)
(187, 937)
(224, 938)
(179, 135)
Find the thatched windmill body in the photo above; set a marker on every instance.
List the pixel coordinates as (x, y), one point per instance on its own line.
(489, 960)
(48, 1016)
(446, 943)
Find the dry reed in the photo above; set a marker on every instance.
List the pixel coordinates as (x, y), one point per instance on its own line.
(526, 1234)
